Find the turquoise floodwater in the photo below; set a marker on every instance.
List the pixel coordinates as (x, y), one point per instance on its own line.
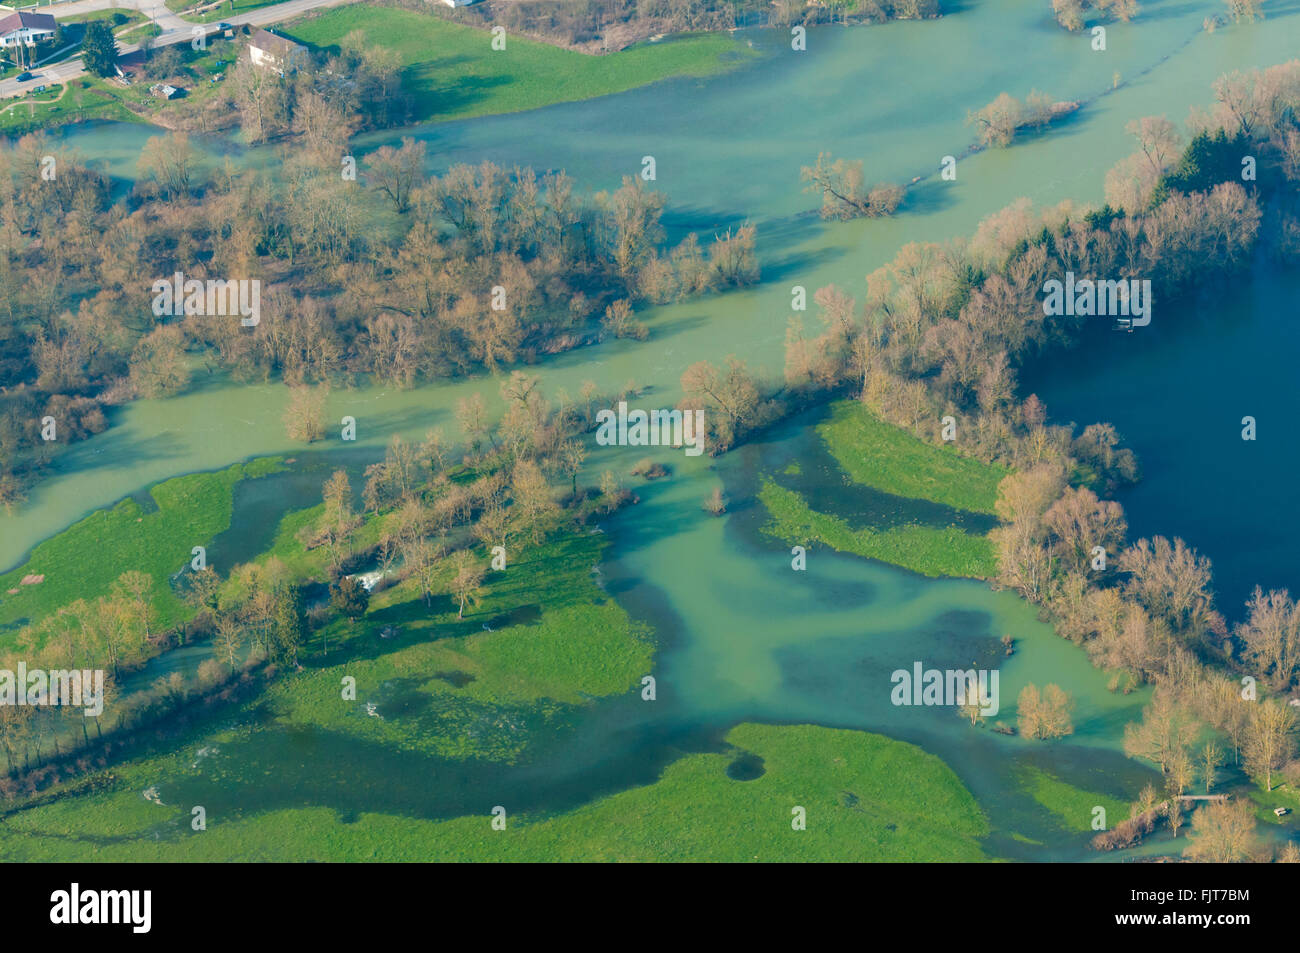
(743, 635)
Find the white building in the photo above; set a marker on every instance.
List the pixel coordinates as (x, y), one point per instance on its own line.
(276, 52)
(25, 29)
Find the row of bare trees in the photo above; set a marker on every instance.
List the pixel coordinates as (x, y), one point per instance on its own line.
(484, 267)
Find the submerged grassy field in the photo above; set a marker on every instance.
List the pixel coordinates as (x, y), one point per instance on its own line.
(888, 458)
(543, 641)
(1071, 805)
(929, 550)
(453, 72)
(873, 453)
(866, 798)
(85, 559)
(444, 708)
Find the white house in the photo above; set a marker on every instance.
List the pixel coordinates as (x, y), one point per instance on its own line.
(25, 29)
(276, 52)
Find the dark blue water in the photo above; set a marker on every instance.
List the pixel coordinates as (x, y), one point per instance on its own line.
(1177, 391)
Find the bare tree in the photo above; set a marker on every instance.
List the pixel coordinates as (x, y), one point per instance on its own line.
(397, 172)
(843, 190)
(304, 417)
(1211, 758)
(468, 579)
(1225, 833)
(1269, 742)
(1271, 636)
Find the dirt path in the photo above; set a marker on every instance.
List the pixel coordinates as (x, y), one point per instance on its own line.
(31, 104)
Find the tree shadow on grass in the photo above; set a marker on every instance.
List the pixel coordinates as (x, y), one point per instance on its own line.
(438, 101)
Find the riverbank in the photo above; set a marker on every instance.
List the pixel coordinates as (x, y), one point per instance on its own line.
(451, 71)
(506, 706)
(153, 533)
(455, 72)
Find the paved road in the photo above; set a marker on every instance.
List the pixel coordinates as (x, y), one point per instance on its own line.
(175, 30)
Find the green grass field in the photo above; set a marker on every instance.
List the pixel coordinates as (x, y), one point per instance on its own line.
(223, 11)
(84, 560)
(1282, 795)
(85, 98)
(929, 550)
(1071, 805)
(453, 72)
(119, 17)
(866, 797)
(888, 458)
(544, 639)
(304, 564)
(34, 110)
(544, 642)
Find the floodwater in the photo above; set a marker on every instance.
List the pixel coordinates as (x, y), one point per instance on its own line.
(743, 635)
(1177, 391)
(728, 149)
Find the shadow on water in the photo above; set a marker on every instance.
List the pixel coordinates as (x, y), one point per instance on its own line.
(260, 504)
(271, 767)
(455, 679)
(747, 767)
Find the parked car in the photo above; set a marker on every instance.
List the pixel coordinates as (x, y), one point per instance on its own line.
(1281, 811)
(24, 76)
(39, 89)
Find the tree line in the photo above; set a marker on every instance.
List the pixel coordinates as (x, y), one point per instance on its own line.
(616, 24)
(482, 268)
(426, 514)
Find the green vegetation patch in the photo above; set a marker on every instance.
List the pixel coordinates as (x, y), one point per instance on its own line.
(89, 97)
(118, 18)
(81, 99)
(543, 639)
(84, 560)
(866, 797)
(929, 550)
(219, 12)
(453, 72)
(889, 458)
(1282, 795)
(1072, 805)
(307, 564)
